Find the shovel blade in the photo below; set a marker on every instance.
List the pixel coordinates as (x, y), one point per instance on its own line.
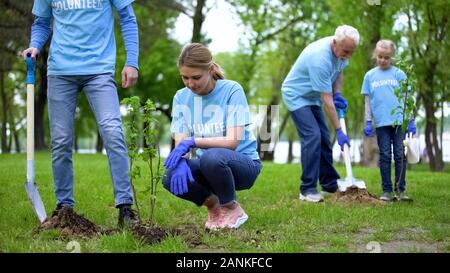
(344, 184)
(36, 201)
(359, 183)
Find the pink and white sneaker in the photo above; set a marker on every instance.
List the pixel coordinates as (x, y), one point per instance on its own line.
(232, 218)
(213, 218)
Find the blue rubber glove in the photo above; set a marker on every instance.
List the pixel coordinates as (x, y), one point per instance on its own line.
(411, 127)
(180, 176)
(183, 147)
(368, 129)
(342, 138)
(340, 102)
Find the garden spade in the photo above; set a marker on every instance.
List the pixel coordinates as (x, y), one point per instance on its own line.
(349, 181)
(30, 184)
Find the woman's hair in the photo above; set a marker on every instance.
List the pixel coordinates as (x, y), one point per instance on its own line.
(346, 31)
(384, 45)
(198, 56)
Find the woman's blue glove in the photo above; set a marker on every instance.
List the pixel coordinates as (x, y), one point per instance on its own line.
(411, 127)
(340, 102)
(368, 129)
(180, 175)
(176, 154)
(342, 138)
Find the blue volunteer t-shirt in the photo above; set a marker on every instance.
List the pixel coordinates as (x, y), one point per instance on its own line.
(380, 85)
(313, 73)
(83, 35)
(211, 115)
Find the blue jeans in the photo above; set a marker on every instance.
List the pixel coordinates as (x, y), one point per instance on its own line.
(389, 137)
(221, 172)
(101, 93)
(316, 150)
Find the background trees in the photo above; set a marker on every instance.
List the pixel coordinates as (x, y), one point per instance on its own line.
(275, 34)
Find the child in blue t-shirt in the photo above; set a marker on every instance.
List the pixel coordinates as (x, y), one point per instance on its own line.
(378, 88)
(211, 114)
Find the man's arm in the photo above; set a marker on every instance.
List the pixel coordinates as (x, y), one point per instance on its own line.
(131, 38)
(40, 31)
(337, 84)
(328, 105)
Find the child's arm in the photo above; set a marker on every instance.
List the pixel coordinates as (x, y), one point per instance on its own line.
(367, 108)
(368, 116)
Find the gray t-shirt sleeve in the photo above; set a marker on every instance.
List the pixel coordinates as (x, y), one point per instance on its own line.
(367, 108)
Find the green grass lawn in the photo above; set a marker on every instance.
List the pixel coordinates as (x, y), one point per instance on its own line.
(278, 221)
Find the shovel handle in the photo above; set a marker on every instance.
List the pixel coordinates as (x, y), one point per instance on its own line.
(30, 116)
(30, 69)
(347, 161)
(341, 113)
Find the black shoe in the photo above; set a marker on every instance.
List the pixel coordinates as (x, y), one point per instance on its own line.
(127, 217)
(60, 206)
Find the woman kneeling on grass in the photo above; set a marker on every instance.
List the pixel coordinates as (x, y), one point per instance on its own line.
(211, 114)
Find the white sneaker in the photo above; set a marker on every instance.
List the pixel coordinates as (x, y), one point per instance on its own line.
(326, 193)
(312, 197)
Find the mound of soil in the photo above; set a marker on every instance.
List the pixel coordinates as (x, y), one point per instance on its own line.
(70, 223)
(149, 233)
(152, 234)
(356, 195)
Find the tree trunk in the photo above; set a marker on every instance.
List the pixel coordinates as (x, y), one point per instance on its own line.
(431, 135)
(17, 141)
(198, 20)
(4, 98)
(290, 150)
(99, 146)
(441, 131)
(39, 109)
(265, 133)
(13, 134)
(369, 152)
(282, 127)
(167, 113)
(9, 142)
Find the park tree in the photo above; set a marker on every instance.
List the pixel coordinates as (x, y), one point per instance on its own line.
(427, 42)
(265, 22)
(15, 23)
(194, 9)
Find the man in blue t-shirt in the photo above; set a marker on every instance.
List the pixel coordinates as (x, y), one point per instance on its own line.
(315, 80)
(82, 57)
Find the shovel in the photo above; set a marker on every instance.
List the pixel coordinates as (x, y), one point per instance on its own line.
(30, 184)
(349, 181)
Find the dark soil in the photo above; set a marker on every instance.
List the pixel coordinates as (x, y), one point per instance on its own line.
(149, 233)
(70, 223)
(152, 234)
(356, 195)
